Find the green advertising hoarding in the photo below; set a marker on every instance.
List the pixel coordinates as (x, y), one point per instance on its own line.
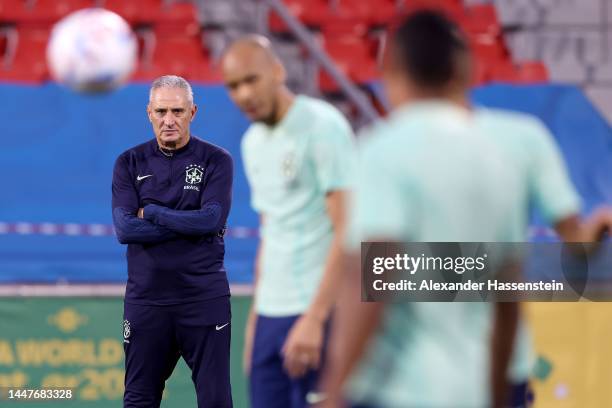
(77, 344)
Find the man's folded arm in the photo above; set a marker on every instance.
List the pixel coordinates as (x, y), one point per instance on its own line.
(129, 228)
(133, 230)
(215, 203)
(193, 222)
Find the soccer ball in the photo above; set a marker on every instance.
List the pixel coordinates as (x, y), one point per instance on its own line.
(92, 50)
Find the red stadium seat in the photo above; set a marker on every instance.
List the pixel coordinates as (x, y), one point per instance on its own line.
(312, 13)
(43, 12)
(354, 57)
(481, 18)
(369, 12)
(481, 72)
(452, 8)
(155, 12)
(533, 71)
(24, 57)
(374, 12)
(184, 56)
(488, 48)
(357, 11)
(503, 72)
(317, 13)
(9, 10)
(146, 45)
(3, 45)
(528, 72)
(344, 28)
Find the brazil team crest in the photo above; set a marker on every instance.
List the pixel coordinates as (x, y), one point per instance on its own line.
(289, 166)
(194, 174)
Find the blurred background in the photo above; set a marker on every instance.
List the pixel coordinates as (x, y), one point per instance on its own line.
(62, 271)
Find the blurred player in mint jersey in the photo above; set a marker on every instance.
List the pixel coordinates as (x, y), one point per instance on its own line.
(297, 156)
(437, 170)
(426, 174)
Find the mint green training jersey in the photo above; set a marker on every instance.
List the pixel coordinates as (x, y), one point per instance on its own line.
(534, 156)
(435, 172)
(544, 183)
(290, 168)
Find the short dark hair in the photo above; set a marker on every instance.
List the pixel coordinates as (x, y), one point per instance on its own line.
(431, 48)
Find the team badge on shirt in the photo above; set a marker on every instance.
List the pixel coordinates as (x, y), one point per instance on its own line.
(288, 166)
(194, 174)
(289, 170)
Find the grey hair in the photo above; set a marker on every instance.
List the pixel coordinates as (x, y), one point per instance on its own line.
(171, 81)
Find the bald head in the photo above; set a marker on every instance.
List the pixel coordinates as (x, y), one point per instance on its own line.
(254, 45)
(254, 76)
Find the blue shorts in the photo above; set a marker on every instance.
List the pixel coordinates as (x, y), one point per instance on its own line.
(521, 396)
(269, 384)
(154, 337)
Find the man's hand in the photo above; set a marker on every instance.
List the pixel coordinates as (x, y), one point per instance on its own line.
(141, 213)
(330, 402)
(302, 349)
(598, 224)
(592, 229)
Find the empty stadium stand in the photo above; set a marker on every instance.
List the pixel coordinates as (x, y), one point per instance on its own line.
(173, 35)
(23, 54)
(168, 32)
(573, 38)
